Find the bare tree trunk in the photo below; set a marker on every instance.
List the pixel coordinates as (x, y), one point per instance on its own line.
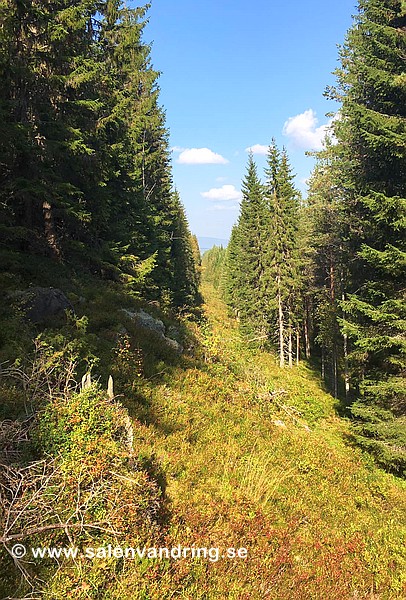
(290, 347)
(306, 335)
(332, 282)
(280, 324)
(323, 365)
(334, 349)
(297, 345)
(334, 373)
(346, 373)
(49, 228)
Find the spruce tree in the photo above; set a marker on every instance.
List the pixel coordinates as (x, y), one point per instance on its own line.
(185, 280)
(214, 267)
(282, 281)
(45, 143)
(197, 257)
(262, 260)
(232, 272)
(371, 133)
(84, 157)
(248, 269)
(329, 274)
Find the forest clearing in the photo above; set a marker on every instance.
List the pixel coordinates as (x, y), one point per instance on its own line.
(178, 425)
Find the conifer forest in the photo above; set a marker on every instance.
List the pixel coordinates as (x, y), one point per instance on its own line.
(178, 425)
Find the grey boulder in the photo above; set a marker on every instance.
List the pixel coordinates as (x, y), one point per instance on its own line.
(39, 304)
(147, 321)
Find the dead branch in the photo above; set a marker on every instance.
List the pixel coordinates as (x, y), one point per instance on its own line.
(289, 411)
(34, 530)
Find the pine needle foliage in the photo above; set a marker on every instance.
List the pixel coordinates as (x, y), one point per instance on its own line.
(85, 162)
(368, 188)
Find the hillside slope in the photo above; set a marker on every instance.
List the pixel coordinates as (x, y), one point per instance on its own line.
(256, 457)
(229, 452)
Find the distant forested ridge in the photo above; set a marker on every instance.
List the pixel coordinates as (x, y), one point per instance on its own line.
(325, 278)
(85, 172)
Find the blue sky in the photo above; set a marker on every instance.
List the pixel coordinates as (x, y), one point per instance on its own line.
(235, 74)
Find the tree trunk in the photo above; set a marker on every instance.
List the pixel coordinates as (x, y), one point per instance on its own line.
(323, 368)
(306, 333)
(297, 345)
(290, 349)
(332, 282)
(334, 350)
(346, 373)
(334, 373)
(49, 228)
(280, 325)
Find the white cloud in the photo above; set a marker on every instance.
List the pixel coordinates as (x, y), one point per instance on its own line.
(177, 149)
(226, 192)
(199, 156)
(224, 207)
(257, 149)
(304, 130)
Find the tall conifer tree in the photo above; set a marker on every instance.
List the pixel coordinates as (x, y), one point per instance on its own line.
(281, 250)
(329, 274)
(248, 269)
(185, 279)
(262, 259)
(371, 133)
(84, 158)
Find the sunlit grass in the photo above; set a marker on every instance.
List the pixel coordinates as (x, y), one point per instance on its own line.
(249, 455)
(318, 519)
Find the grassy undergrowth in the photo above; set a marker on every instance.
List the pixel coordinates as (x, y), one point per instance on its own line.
(229, 451)
(271, 473)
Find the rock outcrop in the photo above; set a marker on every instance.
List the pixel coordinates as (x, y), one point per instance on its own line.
(147, 321)
(40, 304)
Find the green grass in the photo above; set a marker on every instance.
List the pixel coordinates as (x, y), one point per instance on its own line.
(318, 519)
(248, 455)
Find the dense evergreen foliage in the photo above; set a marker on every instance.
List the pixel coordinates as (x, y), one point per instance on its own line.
(142, 429)
(245, 259)
(213, 266)
(330, 273)
(262, 277)
(281, 246)
(85, 167)
(365, 187)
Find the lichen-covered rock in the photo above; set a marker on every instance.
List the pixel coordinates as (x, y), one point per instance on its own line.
(39, 304)
(176, 347)
(147, 321)
(173, 333)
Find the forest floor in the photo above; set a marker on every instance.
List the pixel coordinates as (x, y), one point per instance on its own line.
(255, 457)
(243, 461)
